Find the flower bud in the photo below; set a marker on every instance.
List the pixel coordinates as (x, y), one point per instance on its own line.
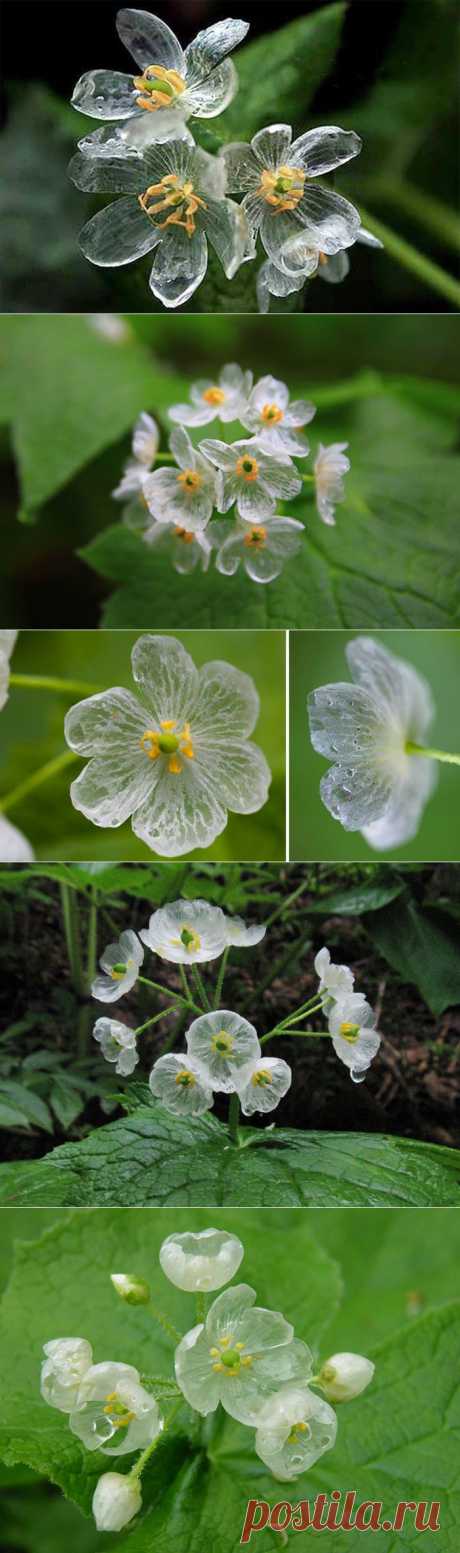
(116, 1500)
(134, 1290)
(345, 1375)
(201, 1262)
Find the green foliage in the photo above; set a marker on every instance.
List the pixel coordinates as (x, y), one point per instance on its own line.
(396, 1442)
(280, 73)
(152, 1158)
(415, 87)
(421, 949)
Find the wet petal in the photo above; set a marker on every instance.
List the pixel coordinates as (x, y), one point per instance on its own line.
(356, 795)
(183, 812)
(179, 267)
(149, 40)
(321, 150)
(345, 722)
(335, 269)
(241, 168)
(401, 819)
(332, 222)
(107, 174)
(111, 786)
(228, 231)
(119, 234)
(166, 676)
(194, 1373)
(112, 720)
(264, 1096)
(398, 687)
(272, 146)
(226, 704)
(208, 97)
(211, 45)
(105, 94)
(240, 773)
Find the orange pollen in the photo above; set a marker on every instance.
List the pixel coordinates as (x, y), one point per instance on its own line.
(213, 395)
(158, 88)
(185, 535)
(282, 189)
(247, 468)
(177, 198)
(272, 414)
(190, 480)
(256, 538)
(323, 258)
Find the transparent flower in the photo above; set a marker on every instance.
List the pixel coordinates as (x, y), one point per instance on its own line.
(329, 466)
(242, 934)
(181, 1085)
(239, 1357)
(201, 1262)
(116, 1500)
(113, 1412)
(275, 422)
(187, 495)
(252, 478)
(118, 1044)
(121, 963)
(145, 444)
(334, 980)
(14, 846)
(67, 1360)
(173, 201)
(262, 548)
(262, 1084)
(294, 1429)
(186, 932)
(354, 1037)
(224, 400)
(345, 1375)
(272, 282)
(7, 642)
(176, 760)
(223, 1044)
(281, 195)
(374, 785)
(305, 261)
(169, 86)
(185, 549)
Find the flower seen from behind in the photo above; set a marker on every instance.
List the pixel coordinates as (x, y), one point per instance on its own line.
(145, 444)
(67, 1361)
(120, 964)
(239, 1357)
(252, 478)
(202, 1261)
(374, 784)
(175, 757)
(225, 399)
(222, 1044)
(335, 981)
(294, 1429)
(118, 1044)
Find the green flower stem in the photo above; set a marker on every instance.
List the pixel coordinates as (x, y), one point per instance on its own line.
(155, 1017)
(417, 749)
(307, 1033)
(200, 1305)
(279, 911)
(233, 1118)
(71, 924)
(429, 273)
(186, 1002)
(165, 458)
(220, 978)
(52, 768)
(171, 1331)
(137, 1470)
(284, 1026)
(430, 212)
(91, 947)
(307, 477)
(185, 985)
(69, 687)
(200, 990)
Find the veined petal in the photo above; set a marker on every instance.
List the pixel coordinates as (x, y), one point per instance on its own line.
(211, 45)
(107, 174)
(228, 231)
(332, 221)
(112, 720)
(401, 819)
(179, 267)
(149, 40)
(226, 704)
(241, 168)
(263, 1085)
(183, 812)
(265, 561)
(344, 722)
(134, 136)
(272, 146)
(398, 687)
(167, 677)
(238, 771)
(119, 234)
(208, 97)
(170, 502)
(320, 150)
(111, 786)
(105, 94)
(273, 282)
(366, 237)
(356, 795)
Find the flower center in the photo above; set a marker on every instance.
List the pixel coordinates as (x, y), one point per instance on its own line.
(297, 1429)
(213, 395)
(283, 189)
(185, 535)
(261, 1078)
(185, 1079)
(179, 199)
(116, 1411)
(255, 540)
(349, 1032)
(229, 1357)
(272, 414)
(247, 468)
(189, 939)
(120, 970)
(166, 741)
(222, 1043)
(190, 480)
(158, 88)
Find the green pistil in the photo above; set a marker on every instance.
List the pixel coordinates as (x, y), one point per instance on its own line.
(186, 937)
(119, 970)
(168, 744)
(158, 84)
(231, 1359)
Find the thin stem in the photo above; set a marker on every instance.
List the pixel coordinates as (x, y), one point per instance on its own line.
(138, 1469)
(200, 989)
(284, 905)
(417, 749)
(91, 949)
(284, 1025)
(48, 682)
(70, 918)
(306, 477)
(220, 978)
(155, 1017)
(429, 273)
(165, 458)
(184, 982)
(200, 1305)
(430, 212)
(52, 768)
(307, 1033)
(185, 1002)
(163, 1322)
(233, 1118)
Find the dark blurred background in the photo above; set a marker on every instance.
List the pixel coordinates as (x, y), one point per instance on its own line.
(393, 80)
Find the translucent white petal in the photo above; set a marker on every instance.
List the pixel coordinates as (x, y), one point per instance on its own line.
(263, 561)
(272, 146)
(8, 641)
(346, 723)
(226, 705)
(356, 795)
(112, 719)
(222, 1043)
(321, 150)
(105, 94)
(146, 439)
(366, 237)
(346, 1375)
(180, 1098)
(273, 282)
(261, 1087)
(67, 1360)
(331, 221)
(149, 40)
(118, 1045)
(192, 415)
(112, 786)
(286, 1448)
(244, 934)
(269, 390)
(194, 1373)
(399, 690)
(179, 266)
(401, 819)
(170, 501)
(134, 136)
(228, 231)
(241, 168)
(182, 813)
(202, 1261)
(336, 980)
(107, 174)
(14, 846)
(116, 1500)
(208, 97)
(329, 467)
(119, 234)
(211, 45)
(167, 677)
(187, 932)
(334, 268)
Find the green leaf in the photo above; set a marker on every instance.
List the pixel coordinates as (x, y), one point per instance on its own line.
(359, 899)
(151, 1158)
(414, 85)
(280, 73)
(388, 561)
(421, 951)
(34, 1111)
(388, 1276)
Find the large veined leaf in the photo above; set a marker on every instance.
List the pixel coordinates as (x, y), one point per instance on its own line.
(150, 1158)
(279, 73)
(388, 562)
(421, 949)
(388, 1276)
(397, 1442)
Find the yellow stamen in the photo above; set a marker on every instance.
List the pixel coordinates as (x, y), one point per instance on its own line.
(247, 468)
(170, 192)
(214, 395)
(297, 1429)
(222, 1043)
(174, 765)
(166, 742)
(186, 1079)
(190, 480)
(272, 414)
(256, 537)
(260, 1078)
(158, 87)
(349, 1032)
(168, 725)
(185, 535)
(282, 189)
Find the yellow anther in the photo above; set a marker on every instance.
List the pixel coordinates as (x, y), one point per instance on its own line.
(158, 87)
(247, 1361)
(218, 1369)
(190, 479)
(186, 1079)
(247, 468)
(239, 1345)
(261, 1077)
(149, 744)
(167, 742)
(174, 765)
(185, 535)
(214, 1352)
(224, 1341)
(168, 725)
(282, 189)
(179, 198)
(213, 395)
(349, 1031)
(272, 414)
(256, 537)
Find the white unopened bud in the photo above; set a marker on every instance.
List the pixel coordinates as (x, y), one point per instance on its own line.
(116, 1500)
(201, 1262)
(345, 1375)
(131, 1288)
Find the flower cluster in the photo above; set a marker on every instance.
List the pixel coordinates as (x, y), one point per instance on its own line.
(241, 1357)
(175, 196)
(371, 730)
(223, 1052)
(175, 508)
(177, 757)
